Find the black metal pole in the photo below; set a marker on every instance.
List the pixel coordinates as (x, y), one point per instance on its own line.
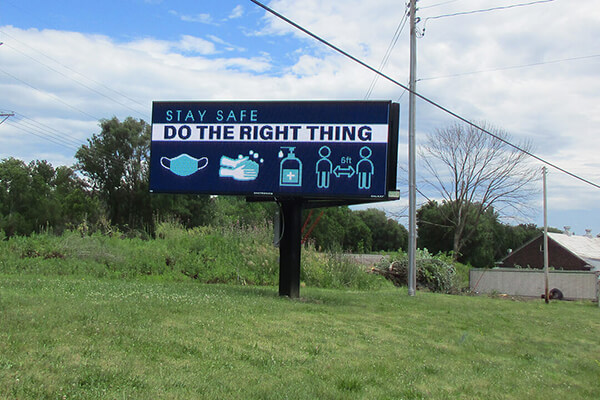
(290, 249)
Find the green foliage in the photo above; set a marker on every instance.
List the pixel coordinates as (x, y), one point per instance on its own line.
(513, 237)
(37, 197)
(474, 174)
(336, 270)
(387, 234)
(439, 273)
(190, 210)
(235, 254)
(488, 242)
(230, 210)
(339, 227)
(435, 231)
(115, 161)
(356, 231)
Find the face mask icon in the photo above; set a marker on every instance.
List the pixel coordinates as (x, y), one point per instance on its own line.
(184, 164)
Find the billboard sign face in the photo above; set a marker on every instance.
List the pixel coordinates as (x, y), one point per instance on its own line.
(310, 149)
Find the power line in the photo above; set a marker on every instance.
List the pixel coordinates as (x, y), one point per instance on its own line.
(45, 137)
(42, 133)
(427, 100)
(401, 96)
(76, 72)
(37, 129)
(388, 52)
(511, 67)
(47, 129)
(76, 81)
(438, 4)
(45, 132)
(489, 9)
(483, 10)
(49, 94)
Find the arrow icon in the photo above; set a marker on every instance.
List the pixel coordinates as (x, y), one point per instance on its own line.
(349, 172)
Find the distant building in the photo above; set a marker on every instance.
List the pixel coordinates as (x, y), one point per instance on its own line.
(566, 251)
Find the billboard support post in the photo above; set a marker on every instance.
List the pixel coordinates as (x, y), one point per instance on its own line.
(290, 249)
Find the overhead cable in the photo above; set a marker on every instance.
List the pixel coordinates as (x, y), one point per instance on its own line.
(30, 122)
(388, 52)
(42, 136)
(489, 9)
(50, 94)
(426, 99)
(52, 135)
(74, 71)
(438, 4)
(78, 82)
(483, 10)
(510, 67)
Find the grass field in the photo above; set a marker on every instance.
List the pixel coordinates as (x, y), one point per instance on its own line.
(82, 338)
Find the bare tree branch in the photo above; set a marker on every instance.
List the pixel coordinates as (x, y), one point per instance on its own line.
(473, 172)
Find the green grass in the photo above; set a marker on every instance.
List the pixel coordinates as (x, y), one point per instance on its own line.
(236, 255)
(94, 338)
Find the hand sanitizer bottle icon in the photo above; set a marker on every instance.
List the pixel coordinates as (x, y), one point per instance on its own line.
(290, 169)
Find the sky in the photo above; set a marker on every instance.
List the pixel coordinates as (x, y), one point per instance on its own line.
(530, 68)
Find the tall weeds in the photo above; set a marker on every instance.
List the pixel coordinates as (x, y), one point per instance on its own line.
(235, 254)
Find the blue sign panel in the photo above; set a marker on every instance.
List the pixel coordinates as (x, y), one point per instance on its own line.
(320, 149)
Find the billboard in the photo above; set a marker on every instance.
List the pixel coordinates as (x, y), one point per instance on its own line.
(310, 149)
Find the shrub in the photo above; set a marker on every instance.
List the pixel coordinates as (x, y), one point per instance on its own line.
(435, 273)
(336, 270)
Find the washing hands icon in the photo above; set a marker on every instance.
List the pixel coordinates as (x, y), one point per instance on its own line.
(240, 169)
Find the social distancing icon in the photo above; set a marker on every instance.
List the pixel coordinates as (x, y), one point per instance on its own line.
(363, 170)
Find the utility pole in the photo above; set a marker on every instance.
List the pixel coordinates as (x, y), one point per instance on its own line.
(6, 115)
(545, 239)
(412, 185)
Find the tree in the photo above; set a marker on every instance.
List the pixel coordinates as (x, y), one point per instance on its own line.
(475, 172)
(115, 162)
(15, 197)
(76, 203)
(513, 237)
(387, 234)
(341, 228)
(37, 196)
(482, 249)
(435, 233)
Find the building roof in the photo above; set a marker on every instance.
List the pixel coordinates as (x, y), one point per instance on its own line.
(585, 247)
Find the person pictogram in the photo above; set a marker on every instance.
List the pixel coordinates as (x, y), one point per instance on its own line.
(365, 168)
(324, 168)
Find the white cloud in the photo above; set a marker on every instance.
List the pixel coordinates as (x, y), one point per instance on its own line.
(228, 46)
(197, 45)
(202, 18)
(237, 12)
